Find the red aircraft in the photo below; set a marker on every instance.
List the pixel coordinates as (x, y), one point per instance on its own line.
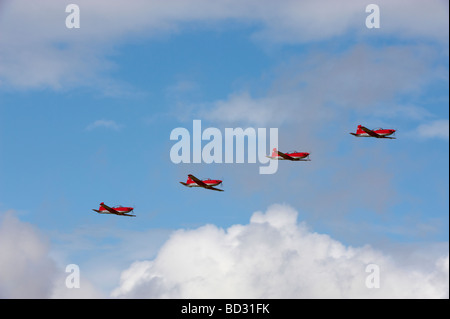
(116, 210)
(290, 156)
(378, 133)
(193, 181)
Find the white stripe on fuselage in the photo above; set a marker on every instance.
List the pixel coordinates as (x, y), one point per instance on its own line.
(196, 185)
(367, 135)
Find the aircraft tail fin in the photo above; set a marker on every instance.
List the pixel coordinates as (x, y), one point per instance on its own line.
(359, 130)
(274, 152)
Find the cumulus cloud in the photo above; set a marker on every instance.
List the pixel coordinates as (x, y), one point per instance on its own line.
(274, 256)
(27, 269)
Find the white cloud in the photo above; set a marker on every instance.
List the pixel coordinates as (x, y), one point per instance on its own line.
(102, 270)
(435, 129)
(37, 50)
(109, 124)
(241, 107)
(273, 257)
(312, 90)
(26, 270)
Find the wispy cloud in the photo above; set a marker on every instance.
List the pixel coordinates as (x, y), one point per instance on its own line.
(62, 57)
(435, 129)
(320, 87)
(108, 124)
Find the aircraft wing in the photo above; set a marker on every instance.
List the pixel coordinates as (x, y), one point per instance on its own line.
(109, 209)
(214, 189)
(199, 182)
(370, 132)
(285, 156)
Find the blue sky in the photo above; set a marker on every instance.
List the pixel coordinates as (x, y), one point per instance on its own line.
(86, 115)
